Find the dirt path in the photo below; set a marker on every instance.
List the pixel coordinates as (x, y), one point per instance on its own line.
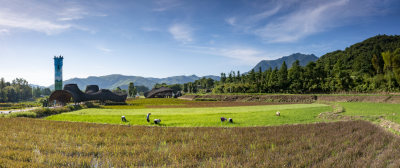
(17, 110)
(390, 125)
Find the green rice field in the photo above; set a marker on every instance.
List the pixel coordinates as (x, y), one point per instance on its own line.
(263, 115)
(373, 110)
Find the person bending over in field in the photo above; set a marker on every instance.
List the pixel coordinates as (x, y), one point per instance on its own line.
(148, 117)
(157, 121)
(230, 120)
(123, 119)
(223, 119)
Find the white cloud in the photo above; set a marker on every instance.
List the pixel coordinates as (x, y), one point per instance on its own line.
(10, 20)
(245, 55)
(42, 16)
(181, 33)
(150, 29)
(106, 50)
(164, 5)
(231, 21)
(290, 21)
(301, 23)
(72, 13)
(266, 14)
(239, 55)
(4, 31)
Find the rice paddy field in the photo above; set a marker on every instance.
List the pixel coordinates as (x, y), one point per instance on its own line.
(262, 115)
(191, 134)
(373, 110)
(43, 143)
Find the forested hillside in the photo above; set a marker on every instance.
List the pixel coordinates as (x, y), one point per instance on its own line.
(303, 58)
(372, 65)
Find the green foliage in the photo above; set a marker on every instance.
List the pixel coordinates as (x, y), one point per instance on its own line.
(20, 105)
(132, 91)
(373, 110)
(19, 90)
(369, 66)
(45, 111)
(205, 99)
(27, 114)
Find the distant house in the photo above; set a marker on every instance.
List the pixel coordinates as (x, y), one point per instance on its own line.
(162, 92)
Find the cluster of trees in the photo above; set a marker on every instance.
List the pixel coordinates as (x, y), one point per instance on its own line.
(202, 85)
(39, 92)
(132, 90)
(18, 90)
(316, 78)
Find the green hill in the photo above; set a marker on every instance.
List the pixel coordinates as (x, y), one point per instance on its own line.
(357, 58)
(303, 58)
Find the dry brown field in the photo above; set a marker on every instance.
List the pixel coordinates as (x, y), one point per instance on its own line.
(40, 143)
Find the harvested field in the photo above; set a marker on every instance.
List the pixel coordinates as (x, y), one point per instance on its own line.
(41, 143)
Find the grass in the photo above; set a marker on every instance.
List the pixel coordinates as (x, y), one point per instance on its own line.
(20, 105)
(187, 117)
(41, 143)
(373, 110)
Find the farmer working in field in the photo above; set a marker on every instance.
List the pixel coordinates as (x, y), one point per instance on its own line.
(148, 117)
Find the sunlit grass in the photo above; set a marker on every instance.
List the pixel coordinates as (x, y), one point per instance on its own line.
(375, 110)
(144, 103)
(187, 117)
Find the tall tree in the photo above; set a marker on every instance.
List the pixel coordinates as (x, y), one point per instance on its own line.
(282, 77)
(132, 90)
(377, 63)
(295, 78)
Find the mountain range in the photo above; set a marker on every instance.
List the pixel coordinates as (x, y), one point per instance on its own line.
(116, 80)
(289, 60)
(122, 81)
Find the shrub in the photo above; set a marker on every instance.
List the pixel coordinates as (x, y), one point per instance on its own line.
(205, 99)
(28, 114)
(91, 105)
(42, 112)
(114, 103)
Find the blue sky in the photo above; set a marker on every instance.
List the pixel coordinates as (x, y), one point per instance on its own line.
(162, 38)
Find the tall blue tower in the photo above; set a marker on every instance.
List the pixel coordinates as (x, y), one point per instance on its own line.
(58, 63)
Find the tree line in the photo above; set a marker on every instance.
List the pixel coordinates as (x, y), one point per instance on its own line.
(315, 77)
(19, 90)
(372, 65)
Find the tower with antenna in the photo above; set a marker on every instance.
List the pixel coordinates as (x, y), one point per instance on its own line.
(58, 63)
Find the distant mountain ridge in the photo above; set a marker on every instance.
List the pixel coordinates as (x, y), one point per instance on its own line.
(116, 80)
(303, 58)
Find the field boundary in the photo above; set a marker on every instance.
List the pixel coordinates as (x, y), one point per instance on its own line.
(307, 98)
